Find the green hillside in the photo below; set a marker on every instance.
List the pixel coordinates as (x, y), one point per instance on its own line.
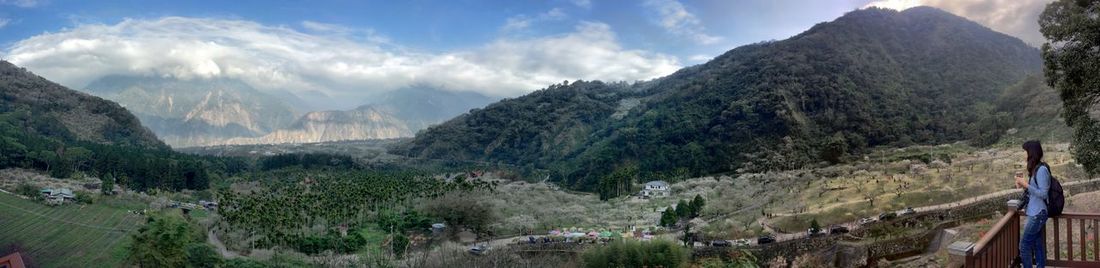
(66, 236)
(873, 77)
(47, 127)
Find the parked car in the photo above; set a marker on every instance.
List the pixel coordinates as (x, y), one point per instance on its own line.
(720, 243)
(866, 221)
(907, 211)
(838, 230)
(742, 242)
(765, 240)
(810, 232)
(480, 249)
(885, 216)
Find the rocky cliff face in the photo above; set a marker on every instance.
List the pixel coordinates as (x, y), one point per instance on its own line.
(197, 112)
(219, 111)
(365, 122)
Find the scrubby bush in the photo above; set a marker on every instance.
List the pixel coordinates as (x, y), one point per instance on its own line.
(83, 197)
(202, 255)
(28, 190)
(658, 253)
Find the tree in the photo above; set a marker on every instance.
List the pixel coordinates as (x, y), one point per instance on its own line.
(202, 255)
(668, 218)
(697, 205)
(814, 226)
(28, 190)
(835, 148)
(83, 197)
(659, 253)
(463, 210)
(687, 238)
(160, 243)
(683, 210)
(108, 184)
(1071, 64)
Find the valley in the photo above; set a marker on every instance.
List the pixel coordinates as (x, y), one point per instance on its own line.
(882, 137)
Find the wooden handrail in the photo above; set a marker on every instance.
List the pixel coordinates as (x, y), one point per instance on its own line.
(997, 247)
(1008, 217)
(1000, 243)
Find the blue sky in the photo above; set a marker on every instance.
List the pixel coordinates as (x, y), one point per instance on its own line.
(446, 25)
(502, 48)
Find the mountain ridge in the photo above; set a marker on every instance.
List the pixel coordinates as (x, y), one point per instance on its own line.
(865, 79)
(61, 113)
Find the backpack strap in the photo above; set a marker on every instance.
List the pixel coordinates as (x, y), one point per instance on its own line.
(1041, 164)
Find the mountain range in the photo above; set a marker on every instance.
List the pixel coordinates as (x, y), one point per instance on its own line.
(873, 77)
(220, 111)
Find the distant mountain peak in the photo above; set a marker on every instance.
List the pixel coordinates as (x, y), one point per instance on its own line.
(195, 112)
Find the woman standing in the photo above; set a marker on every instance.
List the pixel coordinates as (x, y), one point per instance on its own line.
(1036, 187)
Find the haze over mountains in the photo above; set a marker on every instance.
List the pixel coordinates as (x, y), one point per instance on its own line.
(218, 111)
(871, 77)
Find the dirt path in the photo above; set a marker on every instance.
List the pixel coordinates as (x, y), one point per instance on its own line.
(213, 240)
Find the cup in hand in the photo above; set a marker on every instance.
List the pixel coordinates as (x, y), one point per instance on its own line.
(1019, 176)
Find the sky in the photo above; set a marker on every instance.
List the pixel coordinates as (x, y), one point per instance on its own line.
(351, 49)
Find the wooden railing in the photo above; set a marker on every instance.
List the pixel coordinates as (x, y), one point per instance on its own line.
(999, 246)
(1084, 224)
(1074, 241)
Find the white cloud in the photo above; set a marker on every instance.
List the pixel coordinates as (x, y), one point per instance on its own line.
(4, 22)
(21, 3)
(1013, 17)
(278, 57)
(520, 22)
(586, 4)
(675, 19)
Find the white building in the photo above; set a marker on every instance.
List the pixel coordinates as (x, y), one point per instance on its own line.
(655, 189)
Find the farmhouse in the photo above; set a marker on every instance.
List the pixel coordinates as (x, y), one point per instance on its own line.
(57, 196)
(655, 189)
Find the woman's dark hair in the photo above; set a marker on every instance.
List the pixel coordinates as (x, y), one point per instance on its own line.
(1034, 155)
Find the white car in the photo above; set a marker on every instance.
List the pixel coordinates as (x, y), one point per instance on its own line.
(742, 242)
(865, 221)
(480, 249)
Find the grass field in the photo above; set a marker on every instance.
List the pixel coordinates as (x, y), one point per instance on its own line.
(67, 236)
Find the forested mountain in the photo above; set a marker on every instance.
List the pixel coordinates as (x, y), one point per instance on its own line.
(872, 77)
(45, 108)
(198, 111)
(1034, 111)
(48, 127)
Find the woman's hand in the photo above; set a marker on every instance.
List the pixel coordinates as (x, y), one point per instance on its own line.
(1021, 181)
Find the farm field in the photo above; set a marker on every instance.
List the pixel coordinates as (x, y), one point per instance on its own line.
(66, 236)
(893, 179)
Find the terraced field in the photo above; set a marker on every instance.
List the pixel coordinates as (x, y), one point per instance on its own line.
(66, 236)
